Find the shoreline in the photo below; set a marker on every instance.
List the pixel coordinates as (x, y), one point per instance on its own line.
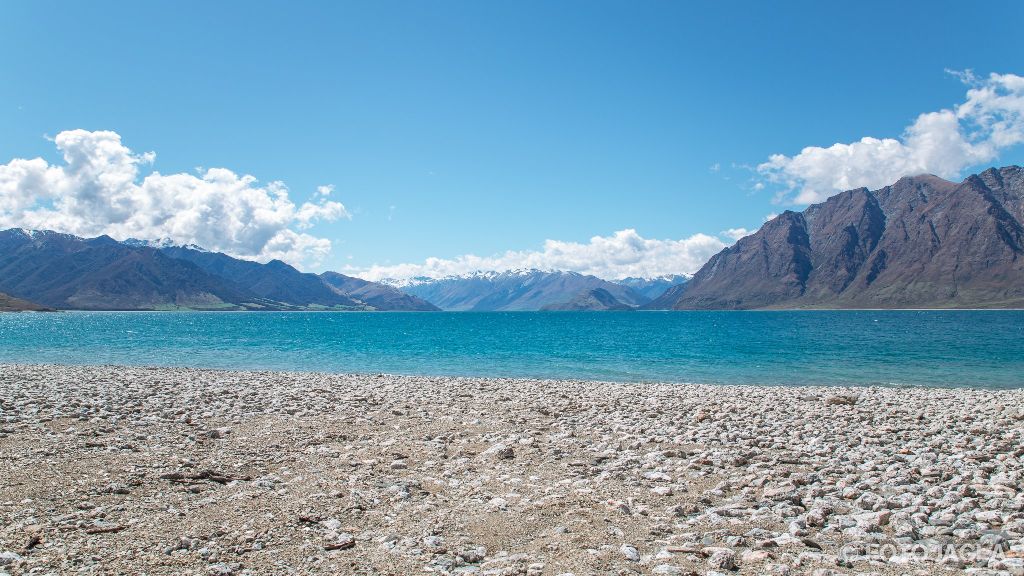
(851, 388)
(810, 309)
(111, 469)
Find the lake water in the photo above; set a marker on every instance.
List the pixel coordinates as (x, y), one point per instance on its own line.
(931, 348)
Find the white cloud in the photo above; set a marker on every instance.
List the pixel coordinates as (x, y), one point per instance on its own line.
(943, 143)
(99, 190)
(736, 233)
(624, 253)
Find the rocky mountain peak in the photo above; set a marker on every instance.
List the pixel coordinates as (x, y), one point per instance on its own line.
(920, 242)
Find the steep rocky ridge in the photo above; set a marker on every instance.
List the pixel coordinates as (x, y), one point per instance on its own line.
(922, 242)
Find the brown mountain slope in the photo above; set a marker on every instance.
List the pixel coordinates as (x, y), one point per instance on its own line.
(590, 300)
(922, 242)
(12, 304)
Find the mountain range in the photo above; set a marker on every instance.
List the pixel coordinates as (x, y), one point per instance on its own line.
(68, 272)
(922, 242)
(61, 271)
(515, 290)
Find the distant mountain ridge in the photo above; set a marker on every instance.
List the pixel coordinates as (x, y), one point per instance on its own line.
(513, 290)
(68, 272)
(380, 296)
(653, 287)
(595, 299)
(922, 242)
(274, 280)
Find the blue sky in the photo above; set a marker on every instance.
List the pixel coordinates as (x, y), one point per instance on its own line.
(454, 128)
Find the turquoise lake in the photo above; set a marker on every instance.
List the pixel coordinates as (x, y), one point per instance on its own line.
(930, 348)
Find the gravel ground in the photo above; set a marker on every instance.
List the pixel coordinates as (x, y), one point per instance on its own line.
(113, 470)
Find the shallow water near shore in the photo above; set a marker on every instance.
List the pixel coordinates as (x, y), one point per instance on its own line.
(957, 348)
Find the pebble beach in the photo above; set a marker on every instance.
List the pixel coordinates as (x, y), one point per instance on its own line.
(116, 470)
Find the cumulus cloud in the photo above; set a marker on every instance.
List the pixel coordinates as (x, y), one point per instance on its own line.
(100, 189)
(943, 143)
(625, 253)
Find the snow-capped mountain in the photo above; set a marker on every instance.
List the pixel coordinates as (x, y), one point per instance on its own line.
(512, 290)
(160, 243)
(485, 275)
(653, 287)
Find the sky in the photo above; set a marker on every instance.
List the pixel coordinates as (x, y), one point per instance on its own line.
(396, 139)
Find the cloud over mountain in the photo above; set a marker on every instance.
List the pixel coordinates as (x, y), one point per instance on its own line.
(100, 189)
(737, 233)
(623, 254)
(943, 143)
